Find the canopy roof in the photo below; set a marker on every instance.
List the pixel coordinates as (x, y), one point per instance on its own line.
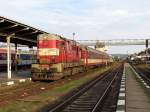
(24, 34)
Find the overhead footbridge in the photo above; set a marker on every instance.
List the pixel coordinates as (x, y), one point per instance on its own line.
(115, 42)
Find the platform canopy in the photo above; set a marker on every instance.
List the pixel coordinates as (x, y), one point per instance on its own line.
(24, 34)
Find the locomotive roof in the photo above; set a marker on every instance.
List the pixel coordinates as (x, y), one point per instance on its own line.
(50, 36)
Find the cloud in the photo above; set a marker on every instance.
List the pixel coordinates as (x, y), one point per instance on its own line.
(120, 13)
(89, 18)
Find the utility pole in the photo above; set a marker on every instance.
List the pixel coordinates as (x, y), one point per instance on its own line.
(146, 50)
(9, 55)
(73, 34)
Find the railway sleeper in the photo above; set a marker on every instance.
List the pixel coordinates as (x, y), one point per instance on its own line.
(84, 102)
(78, 109)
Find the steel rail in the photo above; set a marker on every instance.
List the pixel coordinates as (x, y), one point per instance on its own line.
(148, 72)
(79, 93)
(144, 76)
(104, 94)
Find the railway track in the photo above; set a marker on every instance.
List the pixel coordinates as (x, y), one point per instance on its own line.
(8, 95)
(144, 73)
(99, 95)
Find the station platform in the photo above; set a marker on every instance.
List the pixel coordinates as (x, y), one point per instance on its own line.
(137, 99)
(20, 76)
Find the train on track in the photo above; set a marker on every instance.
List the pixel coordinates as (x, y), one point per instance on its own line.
(24, 58)
(59, 57)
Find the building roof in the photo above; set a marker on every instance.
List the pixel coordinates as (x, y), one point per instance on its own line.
(24, 34)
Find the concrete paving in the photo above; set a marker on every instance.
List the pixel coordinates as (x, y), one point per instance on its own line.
(20, 76)
(136, 99)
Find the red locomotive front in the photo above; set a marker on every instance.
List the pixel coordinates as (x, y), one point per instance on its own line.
(48, 50)
(57, 58)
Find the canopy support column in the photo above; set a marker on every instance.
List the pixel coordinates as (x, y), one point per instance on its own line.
(9, 56)
(16, 59)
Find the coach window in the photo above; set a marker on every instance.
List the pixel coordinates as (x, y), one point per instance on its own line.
(3, 56)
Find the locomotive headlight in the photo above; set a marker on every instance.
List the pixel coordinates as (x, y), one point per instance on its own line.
(48, 51)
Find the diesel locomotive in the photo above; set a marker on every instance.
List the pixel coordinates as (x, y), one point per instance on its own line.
(58, 57)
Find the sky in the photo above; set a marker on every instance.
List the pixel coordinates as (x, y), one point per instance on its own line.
(89, 19)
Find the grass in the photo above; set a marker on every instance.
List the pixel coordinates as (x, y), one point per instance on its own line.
(32, 103)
